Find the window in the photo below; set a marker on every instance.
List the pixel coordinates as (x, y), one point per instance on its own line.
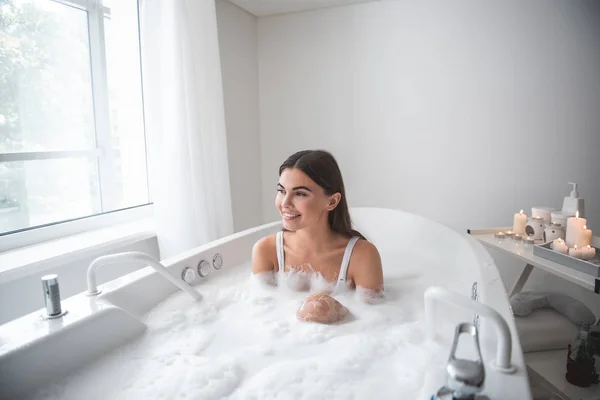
(72, 140)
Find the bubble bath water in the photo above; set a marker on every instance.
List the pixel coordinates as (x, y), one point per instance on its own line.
(243, 341)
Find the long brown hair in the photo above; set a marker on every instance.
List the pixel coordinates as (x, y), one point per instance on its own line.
(323, 169)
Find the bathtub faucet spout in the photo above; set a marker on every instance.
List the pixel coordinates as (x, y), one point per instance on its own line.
(434, 295)
(137, 257)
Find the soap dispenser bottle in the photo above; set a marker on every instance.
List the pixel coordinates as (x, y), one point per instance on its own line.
(573, 203)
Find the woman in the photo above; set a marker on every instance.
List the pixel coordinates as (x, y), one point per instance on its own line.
(317, 237)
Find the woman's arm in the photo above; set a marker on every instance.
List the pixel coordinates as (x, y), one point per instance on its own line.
(366, 271)
(262, 261)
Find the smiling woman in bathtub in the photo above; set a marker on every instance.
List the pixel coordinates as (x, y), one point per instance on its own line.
(317, 244)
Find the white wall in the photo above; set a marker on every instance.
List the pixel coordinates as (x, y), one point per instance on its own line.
(462, 111)
(239, 64)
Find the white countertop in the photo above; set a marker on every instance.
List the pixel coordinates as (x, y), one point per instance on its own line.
(550, 366)
(486, 237)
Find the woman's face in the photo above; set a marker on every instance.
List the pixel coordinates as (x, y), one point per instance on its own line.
(300, 201)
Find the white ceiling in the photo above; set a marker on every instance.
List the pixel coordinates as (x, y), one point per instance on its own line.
(262, 8)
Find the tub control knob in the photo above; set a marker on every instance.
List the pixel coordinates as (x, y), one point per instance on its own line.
(188, 275)
(203, 268)
(217, 261)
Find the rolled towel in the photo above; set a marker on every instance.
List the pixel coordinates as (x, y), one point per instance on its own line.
(524, 303)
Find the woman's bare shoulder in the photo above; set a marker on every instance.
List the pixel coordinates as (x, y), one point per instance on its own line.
(365, 252)
(266, 243)
(264, 252)
(365, 267)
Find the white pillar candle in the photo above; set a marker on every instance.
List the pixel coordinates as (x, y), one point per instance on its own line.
(588, 252)
(575, 252)
(575, 230)
(519, 222)
(586, 237)
(559, 246)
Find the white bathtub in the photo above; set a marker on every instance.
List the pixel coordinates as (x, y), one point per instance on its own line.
(35, 352)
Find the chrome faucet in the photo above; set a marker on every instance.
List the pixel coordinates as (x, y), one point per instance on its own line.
(464, 378)
(52, 296)
(137, 257)
(433, 295)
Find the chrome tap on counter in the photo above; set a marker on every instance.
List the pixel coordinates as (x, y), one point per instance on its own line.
(52, 296)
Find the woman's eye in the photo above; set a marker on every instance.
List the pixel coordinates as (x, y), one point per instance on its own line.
(280, 190)
(301, 194)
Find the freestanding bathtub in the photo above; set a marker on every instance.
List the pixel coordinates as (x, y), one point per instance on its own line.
(447, 277)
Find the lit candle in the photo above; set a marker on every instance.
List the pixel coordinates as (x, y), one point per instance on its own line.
(518, 243)
(586, 236)
(559, 246)
(528, 242)
(544, 212)
(519, 222)
(588, 252)
(575, 252)
(575, 228)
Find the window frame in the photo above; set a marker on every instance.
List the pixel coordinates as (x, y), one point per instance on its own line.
(96, 14)
(60, 229)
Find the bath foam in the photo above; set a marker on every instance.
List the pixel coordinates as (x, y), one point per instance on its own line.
(243, 341)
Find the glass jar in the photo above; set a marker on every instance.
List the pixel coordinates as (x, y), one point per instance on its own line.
(581, 369)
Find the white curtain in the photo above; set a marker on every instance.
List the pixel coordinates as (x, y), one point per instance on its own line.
(185, 123)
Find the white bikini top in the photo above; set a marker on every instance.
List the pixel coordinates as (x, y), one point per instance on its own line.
(341, 281)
